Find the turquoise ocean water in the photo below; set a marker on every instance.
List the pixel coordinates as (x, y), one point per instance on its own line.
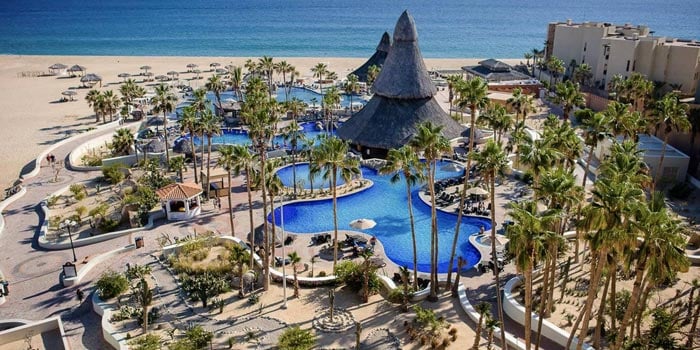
(447, 28)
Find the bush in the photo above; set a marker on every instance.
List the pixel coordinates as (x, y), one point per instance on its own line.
(395, 296)
(146, 342)
(322, 274)
(108, 225)
(111, 284)
(113, 173)
(198, 336)
(51, 201)
(78, 191)
(295, 338)
(350, 273)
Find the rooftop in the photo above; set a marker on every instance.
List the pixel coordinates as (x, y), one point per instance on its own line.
(495, 71)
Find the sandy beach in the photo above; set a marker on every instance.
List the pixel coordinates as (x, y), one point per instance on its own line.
(32, 117)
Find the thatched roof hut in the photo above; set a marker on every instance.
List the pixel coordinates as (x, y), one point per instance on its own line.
(376, 60)
(403, 99)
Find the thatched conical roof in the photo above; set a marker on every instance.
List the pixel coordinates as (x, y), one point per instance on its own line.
(403, 98)
(404, 74)
(377, 59)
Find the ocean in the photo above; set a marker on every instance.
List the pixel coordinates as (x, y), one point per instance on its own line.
(312, 28)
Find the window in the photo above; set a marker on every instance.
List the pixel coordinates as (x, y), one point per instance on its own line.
(583, 60)
(628, 66)
(696, 75)
(634, 65)
(584, 46)
(605, 69)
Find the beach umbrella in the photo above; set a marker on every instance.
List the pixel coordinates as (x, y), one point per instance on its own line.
(191, 66)
(77, 69)
(69, 93)
(162, 77)
(145, 69)
(56, 68)
(221, 71)
(377, 261)
(477, 191)
(148, 75)
(91, 79)
(363, 224)
(214, 65)
(196, 72)
(124, 75)
(173, 74)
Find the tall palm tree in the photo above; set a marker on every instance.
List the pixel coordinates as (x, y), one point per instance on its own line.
(227, 160)
(292, 134)
(491, 162)
(217, 86)
(164, 102)
(177, 165)
(200, 105)
(583, 74)
(516, 101)
(674, 116)
(528, 244)
(596, 129)
(111, 103)
(93, 98)
(237, 81)
(240, 257)
(432, 144)
(332, 157)
(473, 93)
(190, 124)
(284, 68)
(330, 101)
(320, 70)
(535, 59)
(497, 118)
(352, 86)
(244, 161)
(404, 162)
(130, 91)
(294, 260)
(528, 56)
(484, 310)
(267, 67)
(122, 141)
(296, 107)
(569, 96)
(275, 189)
(556, 68)
(453, 83)
(211, 126)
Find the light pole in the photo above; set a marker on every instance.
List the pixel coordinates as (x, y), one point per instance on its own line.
(67, 224)
(284, 256)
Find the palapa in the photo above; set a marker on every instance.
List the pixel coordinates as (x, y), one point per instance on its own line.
(377, 59)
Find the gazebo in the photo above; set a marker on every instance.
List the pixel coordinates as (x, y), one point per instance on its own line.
(91, 79)
(77, 70)
(376, 60)
(180, 201)
(404, 97)
(57, 69)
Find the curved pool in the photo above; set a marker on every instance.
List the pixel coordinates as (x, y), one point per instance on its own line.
(286, 175)
(240, 137)
(385, 203)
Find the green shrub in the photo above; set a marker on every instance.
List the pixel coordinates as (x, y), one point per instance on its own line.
(111, 284)
(295, 338)
(395, 296)
(114, 173)
(91, 159)
(198, 336)
(322, 274)
(108, 225)
(78, 191)
(350, 273)
(55, 221)
(51, 201)
(146, 342)
(80, 211)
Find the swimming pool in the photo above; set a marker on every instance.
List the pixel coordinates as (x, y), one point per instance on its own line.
(240, 137)
(307, 96)
(286, 175)
(385, 203)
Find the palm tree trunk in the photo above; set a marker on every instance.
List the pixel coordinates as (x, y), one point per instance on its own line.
(240, 277)
(250, 216)
(208, 162)
(266, 239)
(165, 133)
(230, 206)
(294, 169)
(590, 299)
(601, 314)
(572, 334)
(477, 339)
(549, 295)
(335, 217)
(272, 241)
(543, 301)
(693, 326)
(499, 302)
(409, 202)
(433, 229)
(194, 156)
(613, 294)
(527, 273)
(634, 298)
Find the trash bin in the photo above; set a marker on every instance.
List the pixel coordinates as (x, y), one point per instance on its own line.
(139, 242)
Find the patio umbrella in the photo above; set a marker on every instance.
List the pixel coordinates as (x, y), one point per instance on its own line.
(477, 191)
(451, 166)
(145, 69)
(77, 69)
(124, 75)
(91, 79)
(221, 71)
(69, 93)
(191, 66)
(162, 77)
(173, 74)
(362, 224)
(148, 75)
(214, 65)
(58, 66)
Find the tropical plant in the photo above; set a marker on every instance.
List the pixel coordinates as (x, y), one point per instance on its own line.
(352, 86)
(110, 104)
(227, 160)
(320, 70)
(484, 310)
(295, 338)
(674, 116)
(372, 74)
(217, 86)
(94, 99)
(498, 119)
(210, 126)
(404, 162)
(491, 325)
(244, 161)
(111, 284)
(569, 96)
(146, 342)
(177, 165)
(556, 68)
(294, 260)
(190, 124)
(164, 102)
(583, 74)
(293, 134)
(203, 287)
(143, 295)
(432, 144)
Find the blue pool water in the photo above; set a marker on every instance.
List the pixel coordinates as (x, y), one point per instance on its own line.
(286, 175)
(240, 137)
(385, 203)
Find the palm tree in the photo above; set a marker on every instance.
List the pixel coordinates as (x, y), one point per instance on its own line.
(432, 144)
(93, 98)
(217, 86)
(267, 67)
(200, 105)
(237, 81)
(528, 56)
(527, 244)
(240, 257)
(497, 118)
(275, 188)
(244, 161)
(177, 165)
(122, 141)
(227, 160)
(568, 96)
(111, 103)
(190, 124)
(332, 157)
(292, 134)
(583, 74)
(211, 125)
(164, 102)
(492, 161)
(294, 260)
(130, 91)
(535, 58)
(330, 100)
(491, 325)
(484, 310)
(352, 86)
(283, 67)
(296, 106)
(516, 101)
(367, 270)
(372, 74)
(404, 161)
(674, 115)
(556, 68)
(596, 129)
(453, 83)
(320, 70)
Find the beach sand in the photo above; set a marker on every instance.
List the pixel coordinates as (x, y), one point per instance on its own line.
(32, 117)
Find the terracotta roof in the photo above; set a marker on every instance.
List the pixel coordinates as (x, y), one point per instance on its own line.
(179, 191)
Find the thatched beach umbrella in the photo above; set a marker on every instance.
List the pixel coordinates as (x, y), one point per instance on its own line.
(145, 69)
(173, 74)
(91, 79)
(191, 66)
(149, 76)
(69, 93)
(77, 69)
(124, 75)
(162, 77)
(197, 72)
(214, 65)
(56, 68)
